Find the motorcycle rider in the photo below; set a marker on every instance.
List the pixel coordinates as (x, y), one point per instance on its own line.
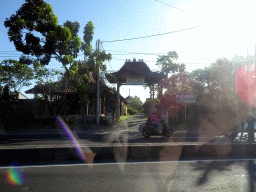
(156, 121)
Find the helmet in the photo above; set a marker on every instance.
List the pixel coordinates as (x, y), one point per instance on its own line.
(153, 111)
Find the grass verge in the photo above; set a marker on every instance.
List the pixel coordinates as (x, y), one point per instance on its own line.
(124, 117)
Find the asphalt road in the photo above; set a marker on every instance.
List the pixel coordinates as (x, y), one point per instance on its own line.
(236, 175)
(125, 132)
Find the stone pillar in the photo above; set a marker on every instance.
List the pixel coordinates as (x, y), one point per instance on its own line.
(100, 106)
(109, 118)
(46, 111)
(104, 105)
(164, 115)
(152, 104)
(250, 121)
(153, 87)
(118, 103)
(93, 105)
(36, 103)
(121, 108)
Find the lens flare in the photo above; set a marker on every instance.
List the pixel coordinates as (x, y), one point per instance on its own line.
(245, 84)
(87, 155)
(71, 137)
(15, 176)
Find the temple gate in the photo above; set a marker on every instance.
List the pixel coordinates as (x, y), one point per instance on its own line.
(134, 73)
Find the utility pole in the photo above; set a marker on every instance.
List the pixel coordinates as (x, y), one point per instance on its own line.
(98, 89)
(255, 54)
(251, 119)
(129, 98)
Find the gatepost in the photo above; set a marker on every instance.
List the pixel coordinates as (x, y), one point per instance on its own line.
(134, 73)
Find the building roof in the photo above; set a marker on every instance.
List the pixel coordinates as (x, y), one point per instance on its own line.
(135, 68)
(19, 95)
(64, 87)
(14, 95)
(60, 87)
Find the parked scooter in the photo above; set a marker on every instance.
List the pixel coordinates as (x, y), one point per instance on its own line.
(149, 129)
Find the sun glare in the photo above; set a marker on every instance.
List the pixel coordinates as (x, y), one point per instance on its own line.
(225, 29)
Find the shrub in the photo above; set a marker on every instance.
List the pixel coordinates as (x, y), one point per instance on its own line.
(103, 121)
(71, 121)
(132, 111)
(15, 120)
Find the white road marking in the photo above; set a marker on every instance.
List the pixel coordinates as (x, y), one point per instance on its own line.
(100, 164)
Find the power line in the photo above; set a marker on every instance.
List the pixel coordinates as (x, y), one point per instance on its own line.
(111, 66)
(108, 62)
(128, 53)
(134, 54)
(172, 6)
(155, 61)
(125, 59)
(143, 53)
(10, 56)
(117, 59)
(2, 52)
(9, 51)
(151, 35)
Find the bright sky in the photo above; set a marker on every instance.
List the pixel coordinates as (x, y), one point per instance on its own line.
(224, 29)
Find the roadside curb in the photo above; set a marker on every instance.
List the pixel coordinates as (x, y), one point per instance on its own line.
(125, 152)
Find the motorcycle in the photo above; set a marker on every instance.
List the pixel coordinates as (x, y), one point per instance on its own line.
(150, 129)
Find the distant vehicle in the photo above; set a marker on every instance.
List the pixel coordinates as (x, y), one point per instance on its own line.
(149, 129)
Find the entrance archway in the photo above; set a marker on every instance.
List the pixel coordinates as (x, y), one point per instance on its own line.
(134, 72)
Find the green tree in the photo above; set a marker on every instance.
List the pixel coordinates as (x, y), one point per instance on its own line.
(113, 88)
(46, 80)
(216, 83)
(135, 102)
(81, 73)
(60, 42)
(215, 89)
(167, 63)
(36, 16)
(53, 40)
(15, 75)
(168, 67)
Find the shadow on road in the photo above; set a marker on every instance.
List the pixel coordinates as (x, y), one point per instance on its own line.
(208, 167)
(140, 115)
(221, 166)
(251, 167)
(136, 123)
(12, 142)
(152, 139)
(234, 140)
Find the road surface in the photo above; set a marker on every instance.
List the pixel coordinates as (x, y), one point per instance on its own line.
(223, 175)
(125, 132)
